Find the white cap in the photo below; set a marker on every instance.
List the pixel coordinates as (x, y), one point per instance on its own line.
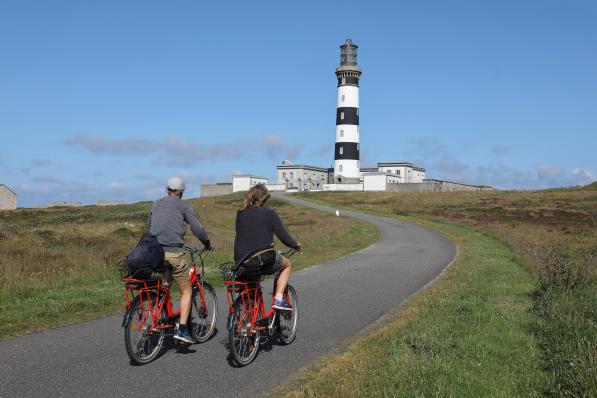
(175, 184)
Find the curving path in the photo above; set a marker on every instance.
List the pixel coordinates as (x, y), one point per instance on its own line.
(338, 300)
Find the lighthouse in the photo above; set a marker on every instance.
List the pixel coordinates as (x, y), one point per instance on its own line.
(346, 156)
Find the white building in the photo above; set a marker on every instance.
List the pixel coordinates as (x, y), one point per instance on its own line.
(8, 199)
(379, 181)
(245, 182)
(407, 171)
(302, 177)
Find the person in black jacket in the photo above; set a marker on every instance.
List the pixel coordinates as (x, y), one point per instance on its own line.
(255, 228)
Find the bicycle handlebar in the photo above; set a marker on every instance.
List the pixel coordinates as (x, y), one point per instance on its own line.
(195, 250)
(288, 253)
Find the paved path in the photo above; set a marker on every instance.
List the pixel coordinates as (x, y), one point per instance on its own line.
(338, 300)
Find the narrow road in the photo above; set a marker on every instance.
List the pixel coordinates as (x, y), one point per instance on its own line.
(338, 300)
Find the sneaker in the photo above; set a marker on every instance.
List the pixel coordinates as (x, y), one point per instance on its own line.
(185, 337)
(282, 305)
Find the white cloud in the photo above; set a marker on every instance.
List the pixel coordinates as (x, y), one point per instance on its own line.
(174, 150)
(41, 162)
(582, 176)
(443, 164)
(277, 147)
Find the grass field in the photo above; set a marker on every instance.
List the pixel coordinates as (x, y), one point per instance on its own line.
(61, 265)
(516, 315)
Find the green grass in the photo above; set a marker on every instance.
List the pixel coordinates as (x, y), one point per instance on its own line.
(465, 336)
(552, 235)
(60, 266)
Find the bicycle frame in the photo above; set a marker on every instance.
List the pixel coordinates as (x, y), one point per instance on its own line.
(251, 296)
(252, 300)
(161, 292)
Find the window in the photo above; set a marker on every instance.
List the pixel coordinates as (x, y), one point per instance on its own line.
(343, 98)
(343, 80)
(341, 133)
(340, 168)
(283, 175)
(341, 115)
(341, 151)
(291, 175)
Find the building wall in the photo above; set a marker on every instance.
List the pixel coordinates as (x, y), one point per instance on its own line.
(378, 181)
(343, 187)
(241, 183)
(209, 190)
(374, 182)
(302, 178)
(244, 183)
(276, 187)
(434, 186)
(407, 173)
(8, 199)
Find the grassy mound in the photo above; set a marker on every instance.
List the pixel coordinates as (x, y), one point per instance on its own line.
(61, 265)
(553, 235)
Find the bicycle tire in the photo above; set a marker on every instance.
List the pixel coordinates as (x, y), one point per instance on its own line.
(203, 323)
(142, 347)
(244, 345)
(287, 321)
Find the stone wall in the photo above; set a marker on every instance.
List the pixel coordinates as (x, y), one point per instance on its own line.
(8, 199)
(434, 186)
(209, 190)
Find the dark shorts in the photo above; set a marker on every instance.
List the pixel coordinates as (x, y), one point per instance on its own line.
(270, 264)
(272, 268)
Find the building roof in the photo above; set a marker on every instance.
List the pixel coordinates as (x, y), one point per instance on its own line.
(400, 164)
(382, 173)
(381, 164)
(302, 166)
(2, 185)
(248, 175)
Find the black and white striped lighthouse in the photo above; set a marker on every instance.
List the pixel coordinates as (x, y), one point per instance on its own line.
(346, 157)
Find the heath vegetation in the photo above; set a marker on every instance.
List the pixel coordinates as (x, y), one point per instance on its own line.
(62, 265)
(551, 235)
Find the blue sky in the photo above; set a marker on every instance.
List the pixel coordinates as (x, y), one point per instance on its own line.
(106, 100)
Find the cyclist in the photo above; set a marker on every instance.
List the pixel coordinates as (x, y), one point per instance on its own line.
(255, 226)
(167, 222)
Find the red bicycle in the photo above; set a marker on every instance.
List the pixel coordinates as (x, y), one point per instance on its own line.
(149, 315)
(248, 319)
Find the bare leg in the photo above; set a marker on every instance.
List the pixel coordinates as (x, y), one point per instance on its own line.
(185, 301)
(284, 276)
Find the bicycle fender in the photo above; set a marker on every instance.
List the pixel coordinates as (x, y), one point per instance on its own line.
(126, 317)
(129, 313)
(230, 322)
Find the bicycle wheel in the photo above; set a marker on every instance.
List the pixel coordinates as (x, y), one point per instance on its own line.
(142, 344)
(244, 343)
(287, 321)
(202, 320)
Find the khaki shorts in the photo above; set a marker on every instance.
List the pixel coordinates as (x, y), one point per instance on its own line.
(180, 266)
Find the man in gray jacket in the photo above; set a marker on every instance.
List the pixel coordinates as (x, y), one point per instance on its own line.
(168, 219)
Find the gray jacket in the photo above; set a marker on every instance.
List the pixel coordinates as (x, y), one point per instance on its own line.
(168, 219)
